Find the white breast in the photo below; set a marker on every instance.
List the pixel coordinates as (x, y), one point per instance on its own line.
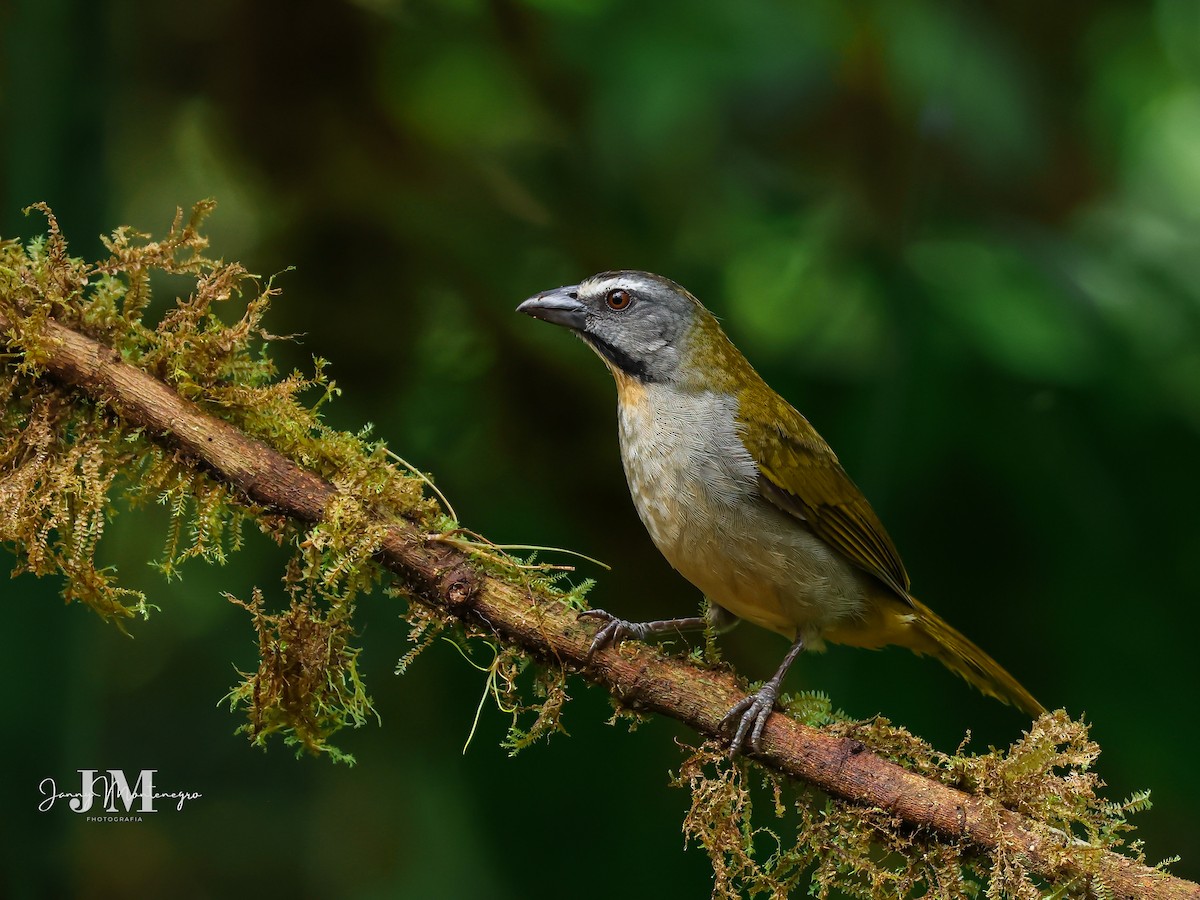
(696, 489)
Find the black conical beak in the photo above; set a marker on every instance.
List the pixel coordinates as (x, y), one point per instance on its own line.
(560, 306)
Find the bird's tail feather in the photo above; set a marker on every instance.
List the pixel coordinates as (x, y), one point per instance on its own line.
(933, 635)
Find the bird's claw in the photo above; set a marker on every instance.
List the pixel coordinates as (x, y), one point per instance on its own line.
(750, 715)
(612, 632)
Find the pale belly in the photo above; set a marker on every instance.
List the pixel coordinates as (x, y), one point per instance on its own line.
(696, 490)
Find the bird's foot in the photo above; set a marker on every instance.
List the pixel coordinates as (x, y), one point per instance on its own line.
(750, 715)
(613, 631)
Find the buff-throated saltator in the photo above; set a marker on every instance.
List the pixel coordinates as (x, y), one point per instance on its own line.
(743, 497)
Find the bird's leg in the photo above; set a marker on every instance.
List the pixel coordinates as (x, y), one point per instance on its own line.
(751, 712)
(616, 630)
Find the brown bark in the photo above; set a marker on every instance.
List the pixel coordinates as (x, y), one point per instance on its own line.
(639, 676)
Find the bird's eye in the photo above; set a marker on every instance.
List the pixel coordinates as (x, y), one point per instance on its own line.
(618, 299)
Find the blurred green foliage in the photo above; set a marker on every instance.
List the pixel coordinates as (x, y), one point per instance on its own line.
(964, 239)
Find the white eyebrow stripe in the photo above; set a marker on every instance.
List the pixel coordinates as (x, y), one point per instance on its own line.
(628, 280)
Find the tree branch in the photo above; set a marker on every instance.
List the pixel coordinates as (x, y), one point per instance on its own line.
(640, 677)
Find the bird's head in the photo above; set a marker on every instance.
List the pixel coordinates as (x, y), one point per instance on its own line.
(643, 326)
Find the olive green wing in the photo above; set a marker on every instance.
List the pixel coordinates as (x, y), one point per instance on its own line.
(800, 474)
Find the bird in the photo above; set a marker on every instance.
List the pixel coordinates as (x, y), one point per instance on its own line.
(744, 498)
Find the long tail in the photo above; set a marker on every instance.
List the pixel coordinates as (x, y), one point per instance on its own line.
(934, 636)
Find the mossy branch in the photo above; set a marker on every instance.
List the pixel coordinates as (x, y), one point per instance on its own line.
(439, 574)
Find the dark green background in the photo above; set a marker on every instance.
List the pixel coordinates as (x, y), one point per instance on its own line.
(964, 239)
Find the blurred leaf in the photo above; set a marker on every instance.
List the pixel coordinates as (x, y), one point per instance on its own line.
(466, 96)
(957, 78)
(1006, 306)
(790, 296)
(1164, 167)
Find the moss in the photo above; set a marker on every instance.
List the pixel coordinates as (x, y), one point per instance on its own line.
(307, 684)
(1048, 775)
(64, 460)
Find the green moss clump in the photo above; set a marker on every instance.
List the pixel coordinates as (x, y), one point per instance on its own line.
(64, 460)
(1048, 775)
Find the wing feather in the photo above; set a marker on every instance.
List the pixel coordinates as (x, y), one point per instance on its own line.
(800, 474)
